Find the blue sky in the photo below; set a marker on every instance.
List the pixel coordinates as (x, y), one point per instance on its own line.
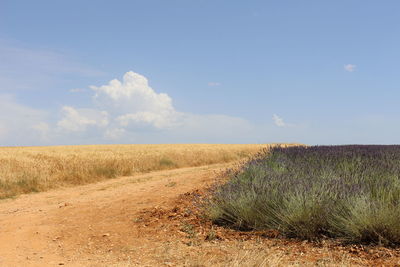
(315, 72)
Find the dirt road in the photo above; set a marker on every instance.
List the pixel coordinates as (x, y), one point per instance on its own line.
(92, 225)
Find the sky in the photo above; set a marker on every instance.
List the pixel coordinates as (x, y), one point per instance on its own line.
(199, 71)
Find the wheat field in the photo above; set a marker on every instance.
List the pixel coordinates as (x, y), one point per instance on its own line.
(35, 169)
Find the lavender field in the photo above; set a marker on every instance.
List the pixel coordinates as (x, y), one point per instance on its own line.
(347, 192)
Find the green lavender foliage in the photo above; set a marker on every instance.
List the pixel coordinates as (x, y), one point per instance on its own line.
(348, 192)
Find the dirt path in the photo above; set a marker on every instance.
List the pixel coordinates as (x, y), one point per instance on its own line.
(90, 225)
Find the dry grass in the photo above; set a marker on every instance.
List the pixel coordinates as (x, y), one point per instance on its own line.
(34, 169)
(260, 256)
(239, 253)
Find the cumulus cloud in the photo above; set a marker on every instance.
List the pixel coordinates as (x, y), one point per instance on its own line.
(134, 93)
(350, 67)
(135, 103)
(135, 112)
(121, 111)
(77, 120)
(278, 121)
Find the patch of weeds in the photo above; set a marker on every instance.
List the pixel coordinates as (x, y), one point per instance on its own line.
(30, 187)
(140, 180)
(166, 162)
(138, 220)
(104, 171)
(171, 184)
(26, 184)
(211, 235)
(5, 195)
(189, 229)
(22, 185)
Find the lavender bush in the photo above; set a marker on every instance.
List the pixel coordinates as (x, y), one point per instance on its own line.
(349, 192)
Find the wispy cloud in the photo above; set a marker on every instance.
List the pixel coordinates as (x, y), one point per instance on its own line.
(16, 120)
(350, 67)
(41, 67)
(213, 84)
(278, 121)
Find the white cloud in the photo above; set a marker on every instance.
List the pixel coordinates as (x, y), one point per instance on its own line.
(20, 125)
(127, 111)
(350, 67)
(278, 121)
(135, 91)
(134, 102)
(137, 113)
(158, 120)
(213, 84)
(77, 120)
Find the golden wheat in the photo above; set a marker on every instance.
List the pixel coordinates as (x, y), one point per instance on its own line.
(34, 169)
